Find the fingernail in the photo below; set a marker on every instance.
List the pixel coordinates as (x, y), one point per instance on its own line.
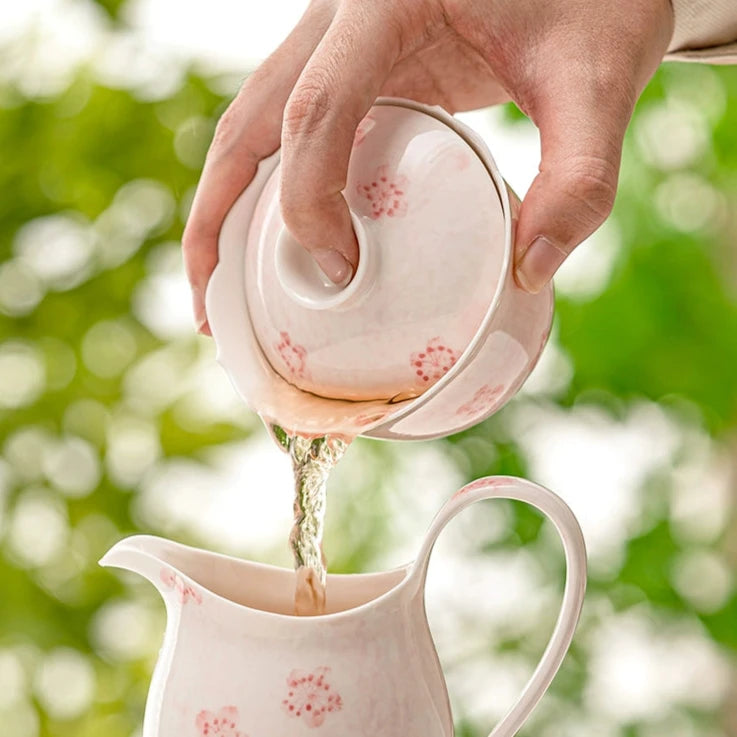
(540, 261)
(334, 264)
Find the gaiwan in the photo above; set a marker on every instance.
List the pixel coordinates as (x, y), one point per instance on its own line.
(431, 336)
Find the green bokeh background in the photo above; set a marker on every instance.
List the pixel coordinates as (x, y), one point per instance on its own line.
(96, 183)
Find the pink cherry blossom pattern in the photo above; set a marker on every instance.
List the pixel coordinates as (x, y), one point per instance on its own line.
(363, 128)
(293, 356)
(222, 724)
(186, 592)
(482, 401)
(385, 193)
(433, 362)
(311, 697)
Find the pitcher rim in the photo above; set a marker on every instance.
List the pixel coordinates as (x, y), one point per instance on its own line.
(406, 570)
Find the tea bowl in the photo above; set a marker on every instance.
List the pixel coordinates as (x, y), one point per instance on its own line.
(432, 334)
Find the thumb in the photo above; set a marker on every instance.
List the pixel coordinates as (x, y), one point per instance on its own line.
(574, 191)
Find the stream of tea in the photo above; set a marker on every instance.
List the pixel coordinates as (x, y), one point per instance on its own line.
(312, 460)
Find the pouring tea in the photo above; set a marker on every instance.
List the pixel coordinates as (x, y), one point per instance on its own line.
(431, 336)
(236, 662)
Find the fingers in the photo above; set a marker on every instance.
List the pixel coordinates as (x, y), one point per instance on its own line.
(581, 130)
(336, 89)
(247, 132)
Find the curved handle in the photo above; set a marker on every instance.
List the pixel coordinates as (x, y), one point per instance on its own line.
(552, 506)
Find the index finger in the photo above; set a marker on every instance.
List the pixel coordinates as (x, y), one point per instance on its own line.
(335, 91)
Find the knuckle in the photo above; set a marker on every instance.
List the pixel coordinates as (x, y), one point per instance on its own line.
(592, 182)
(230, 124)
(226, 131)
(308, 107)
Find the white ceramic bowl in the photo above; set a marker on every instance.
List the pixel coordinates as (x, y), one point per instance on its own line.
(431, 336)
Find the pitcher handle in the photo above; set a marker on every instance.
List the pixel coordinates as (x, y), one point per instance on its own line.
(553, 507)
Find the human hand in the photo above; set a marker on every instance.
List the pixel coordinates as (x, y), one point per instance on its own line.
(575, 67)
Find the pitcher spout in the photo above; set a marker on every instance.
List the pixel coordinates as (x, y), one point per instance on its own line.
(147, 556)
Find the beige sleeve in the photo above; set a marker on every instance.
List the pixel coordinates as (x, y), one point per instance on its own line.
(705, 30)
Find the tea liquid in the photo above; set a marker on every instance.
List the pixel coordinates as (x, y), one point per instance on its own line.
(312, 461)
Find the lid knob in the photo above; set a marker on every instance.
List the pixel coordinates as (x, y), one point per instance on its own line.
(304, 281)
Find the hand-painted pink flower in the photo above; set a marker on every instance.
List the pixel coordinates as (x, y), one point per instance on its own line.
(482, 401)
(187, 592)
(311, 697)
(363, 128)
(222, 724)
(385, 194)
(433, 362)
(293, 356)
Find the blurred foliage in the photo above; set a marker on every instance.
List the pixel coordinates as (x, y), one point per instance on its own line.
(112, 7)
(96, 184)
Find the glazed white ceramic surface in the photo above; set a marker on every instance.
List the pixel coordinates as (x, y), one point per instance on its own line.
(236, 663)
(430, 230)
(431, 336)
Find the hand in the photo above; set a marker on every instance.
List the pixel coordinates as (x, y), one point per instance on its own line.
(576, 67)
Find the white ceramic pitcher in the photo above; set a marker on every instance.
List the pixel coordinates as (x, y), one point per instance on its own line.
(236, 663)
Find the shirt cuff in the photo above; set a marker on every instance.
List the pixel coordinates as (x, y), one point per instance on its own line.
(705, 30)
(718, 55)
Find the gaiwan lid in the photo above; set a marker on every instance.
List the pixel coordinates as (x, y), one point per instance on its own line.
(431, 233)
